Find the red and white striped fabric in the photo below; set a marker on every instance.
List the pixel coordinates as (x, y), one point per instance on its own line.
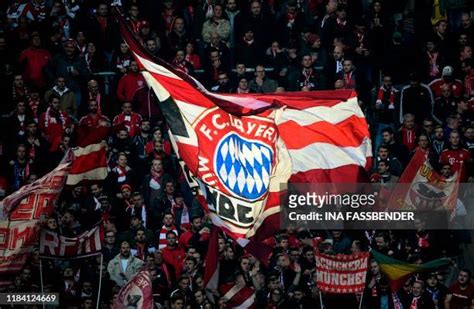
(89, 164)
(238, 296)
(162, 243)
(237, 149)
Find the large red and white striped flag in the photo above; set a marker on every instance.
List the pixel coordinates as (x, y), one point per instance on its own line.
(238, 150)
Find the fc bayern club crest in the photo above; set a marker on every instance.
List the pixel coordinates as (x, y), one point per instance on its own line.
(236, 153)
(243, 166)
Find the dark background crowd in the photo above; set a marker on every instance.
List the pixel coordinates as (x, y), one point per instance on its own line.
(63, 67)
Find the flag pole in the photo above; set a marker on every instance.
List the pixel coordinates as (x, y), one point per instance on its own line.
(100, 280)
(41, 277)
(321, 299)
(361, 299)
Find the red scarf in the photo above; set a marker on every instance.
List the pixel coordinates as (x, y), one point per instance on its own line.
(122, 173)
(349, 81)
(307, 76)
(141, 249)
(156, 175)
(97, 98)
(409, 138)
(391, 99)
(34, 107)
(434, 67)
(102, 22)
(414, 303)
(52, 120)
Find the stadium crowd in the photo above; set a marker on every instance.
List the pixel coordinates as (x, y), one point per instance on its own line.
(63, 66)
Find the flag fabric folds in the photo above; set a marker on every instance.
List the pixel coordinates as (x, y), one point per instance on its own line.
(398, 271)
(89, 164)
(137, 293)
(239, 151)
(423, 186)
(88, 243)
(238, 296)
(22, 213)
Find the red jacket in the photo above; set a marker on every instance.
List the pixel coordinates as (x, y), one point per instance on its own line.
(408, 138)
(128, 84)
(131, 122)
(456, 87)
(174, 257)
(54, 129)
(89, 121)
(34, 59)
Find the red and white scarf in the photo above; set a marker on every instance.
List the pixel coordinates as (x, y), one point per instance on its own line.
(391, 99)
(162, 242)
(414, 303)
(155, 181)
(52, 120)
(184, 220)
(434, 67)
(122, 173)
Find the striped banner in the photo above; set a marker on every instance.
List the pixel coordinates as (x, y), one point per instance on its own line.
(237, 150)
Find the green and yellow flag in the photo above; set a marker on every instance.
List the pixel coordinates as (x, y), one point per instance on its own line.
(398, 271)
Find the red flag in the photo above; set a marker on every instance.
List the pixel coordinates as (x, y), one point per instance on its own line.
(88, 135)
(21, 213)
(90, 164)
(237, 150)
(341, 274)
(211, 269)
(422, 182)
(137, 293)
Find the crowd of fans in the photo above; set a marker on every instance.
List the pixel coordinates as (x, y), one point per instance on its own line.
(63, 66)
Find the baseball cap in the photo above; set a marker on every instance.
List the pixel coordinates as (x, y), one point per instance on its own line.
(448, 71)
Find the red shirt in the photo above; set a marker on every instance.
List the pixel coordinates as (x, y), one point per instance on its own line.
(461, 299)
(186, 236)
(174, 257)
(128, 85)
(131, 122)
(54, 129)
(35, 59)
(457, 159)
(92, 122)
(437, 84)
(408, 138)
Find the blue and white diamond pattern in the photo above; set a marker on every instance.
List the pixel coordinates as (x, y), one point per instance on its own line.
(244, 166)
